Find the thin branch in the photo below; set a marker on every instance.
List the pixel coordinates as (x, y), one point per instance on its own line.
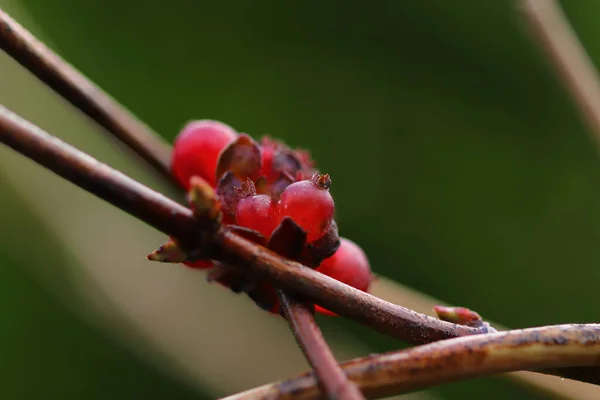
(95, 177)
(573, 65)
(176, 220)
(319, 355)
(32, 54)
(452, 360)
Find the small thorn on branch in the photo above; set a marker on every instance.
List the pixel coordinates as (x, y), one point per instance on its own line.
(169, 252)
(463, 316)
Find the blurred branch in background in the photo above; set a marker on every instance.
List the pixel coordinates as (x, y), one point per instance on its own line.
(568, 56)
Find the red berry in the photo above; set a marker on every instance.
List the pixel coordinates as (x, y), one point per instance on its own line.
(200, 264)
(257, 213)
(349, 265)
(196, 150)
(309, 204)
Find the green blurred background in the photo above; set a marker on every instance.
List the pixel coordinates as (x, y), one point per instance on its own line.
(458, 164)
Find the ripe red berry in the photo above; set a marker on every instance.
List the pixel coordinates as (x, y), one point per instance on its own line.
(196, 150)
(257, 213)
(349, 265)
(309, 204)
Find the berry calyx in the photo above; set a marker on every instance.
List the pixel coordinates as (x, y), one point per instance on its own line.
(309, 204)
(196, 150)
(257, 213)
(349, 265)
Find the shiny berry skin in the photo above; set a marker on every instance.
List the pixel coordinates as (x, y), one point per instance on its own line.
(349, 265)
(196, 150)
(258, 213)
(309, 204)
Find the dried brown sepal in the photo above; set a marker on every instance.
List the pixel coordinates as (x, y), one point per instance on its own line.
(230, 277)
(308, 165)
(315, 252)
(284, 160)
(249, 234)
(458, 315)
(169, 252)
(265, 296)
(234, 278)
(245, 189)
(242, 158)
(288, 239)
(280, 184)
(226, 190)
(323, 182)
(203, 201)
(262, 186)
(276, 186)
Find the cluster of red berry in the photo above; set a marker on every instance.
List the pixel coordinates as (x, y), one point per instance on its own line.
(273, 196)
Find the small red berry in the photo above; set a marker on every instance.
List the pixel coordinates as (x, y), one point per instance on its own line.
(257, 213)
(349, 265)
(196, 150)
(309, 204)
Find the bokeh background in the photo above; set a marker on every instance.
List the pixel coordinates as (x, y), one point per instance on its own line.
(458, 164)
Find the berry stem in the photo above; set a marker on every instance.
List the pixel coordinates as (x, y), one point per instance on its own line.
(311, 341)
(175, 220)
(69, 83)
(452, 360)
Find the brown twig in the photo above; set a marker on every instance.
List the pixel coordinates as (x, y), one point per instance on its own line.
(573, 65)
(452, 360)
(32, 54)
(95, 177)
(319, 355)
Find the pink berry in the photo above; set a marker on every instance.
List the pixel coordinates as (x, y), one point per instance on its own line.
(257, 213)
(349, 265)
(196, 150)
(309, 204)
